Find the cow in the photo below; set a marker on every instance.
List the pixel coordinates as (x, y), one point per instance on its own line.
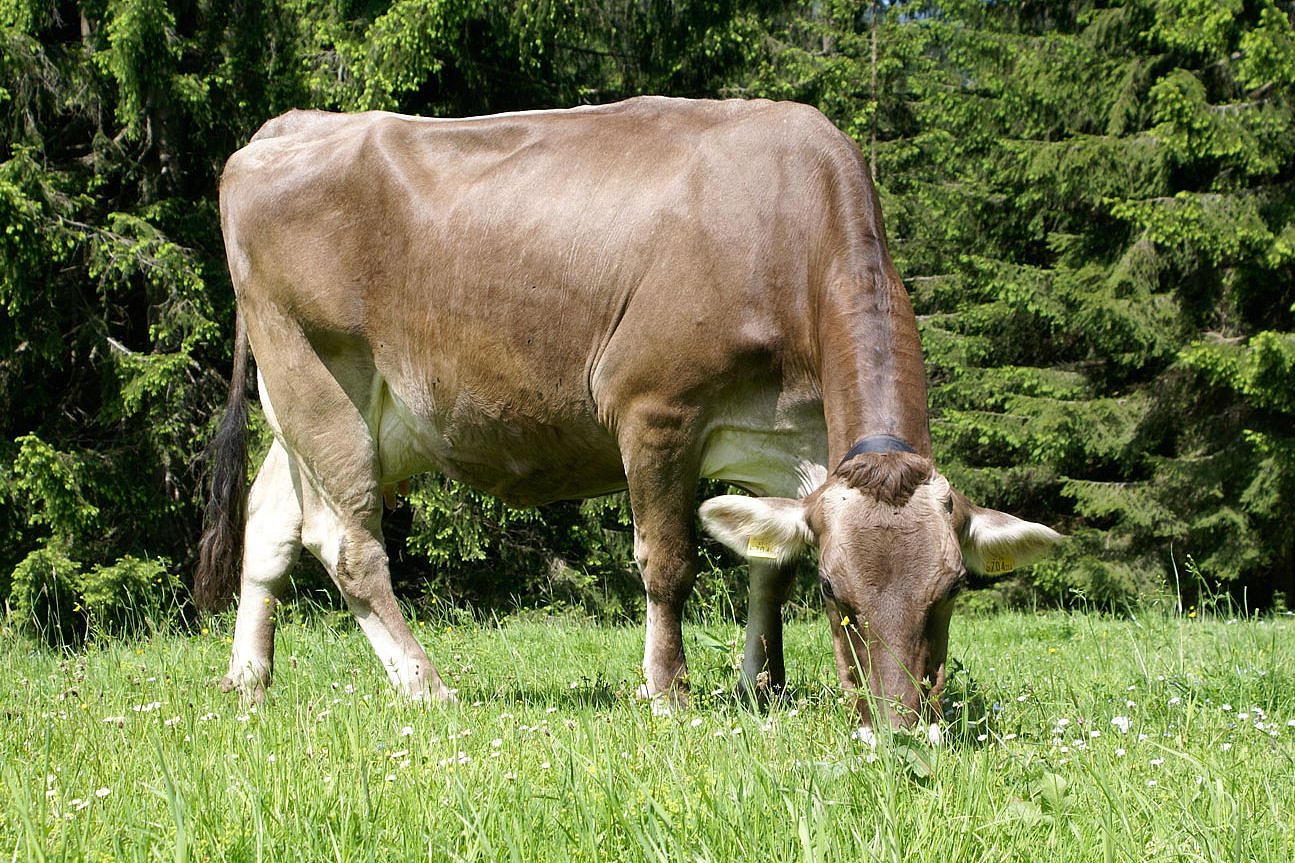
(566, 303)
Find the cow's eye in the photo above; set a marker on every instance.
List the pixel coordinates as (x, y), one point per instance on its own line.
(826, 586)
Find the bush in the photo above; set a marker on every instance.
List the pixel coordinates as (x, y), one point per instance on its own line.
(59, 603)
(42, 596)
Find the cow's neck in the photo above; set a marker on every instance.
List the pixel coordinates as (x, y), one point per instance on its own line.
(870, 361)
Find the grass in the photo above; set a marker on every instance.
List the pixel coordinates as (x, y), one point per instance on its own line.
(1072, 737)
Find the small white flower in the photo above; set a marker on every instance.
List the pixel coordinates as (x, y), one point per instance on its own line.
(696, 723)
(1094, 734)
(1122, 724)
(407, 731)
(544, 765)
(102, 792)
(1173, 702)
(736, 731)
(1225, 747)
(1120, 753)
(174, 720)
(496, 743)
(1156, 762)
(1151, 783)
(1226, 708)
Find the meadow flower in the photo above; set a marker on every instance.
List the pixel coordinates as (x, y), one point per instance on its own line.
(407, 731)
(696, 723)
(102, 792)
(1121, 723)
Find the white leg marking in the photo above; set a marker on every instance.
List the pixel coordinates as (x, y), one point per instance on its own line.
(272, 541)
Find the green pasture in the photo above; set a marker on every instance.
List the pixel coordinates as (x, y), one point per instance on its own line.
(1071, 737)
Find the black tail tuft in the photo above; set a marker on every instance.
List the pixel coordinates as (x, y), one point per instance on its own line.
(221, 546)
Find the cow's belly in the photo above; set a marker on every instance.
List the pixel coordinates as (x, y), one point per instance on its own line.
(523, 460)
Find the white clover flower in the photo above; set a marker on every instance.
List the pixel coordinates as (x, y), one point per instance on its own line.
(102, 792)
(1122, 724)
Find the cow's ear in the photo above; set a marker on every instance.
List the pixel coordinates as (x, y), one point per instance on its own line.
(758, 528)
(995, 543)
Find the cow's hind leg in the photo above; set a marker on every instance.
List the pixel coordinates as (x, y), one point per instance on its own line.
(355, 556)
(325, 400)
(271, 544)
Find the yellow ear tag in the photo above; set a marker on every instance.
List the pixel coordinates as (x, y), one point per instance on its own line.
(999, 565)
(762, 549)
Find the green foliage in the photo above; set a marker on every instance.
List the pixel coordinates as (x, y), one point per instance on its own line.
(1092, 205)
(486, 554)
(60, 603)
(42, 597)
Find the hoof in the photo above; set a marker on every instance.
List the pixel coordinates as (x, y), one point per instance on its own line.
(253, 693)
(663, 703)
(763, 693)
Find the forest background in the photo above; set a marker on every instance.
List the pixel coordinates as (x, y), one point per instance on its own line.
(1092, 205)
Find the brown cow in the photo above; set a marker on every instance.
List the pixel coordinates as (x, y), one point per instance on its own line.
(560, 304)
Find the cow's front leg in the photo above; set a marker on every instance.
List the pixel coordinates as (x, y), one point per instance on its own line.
(764, 673)
(668, 577)
(662, 499)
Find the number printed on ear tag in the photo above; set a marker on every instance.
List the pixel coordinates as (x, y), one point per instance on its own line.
(999, 565)
(761, 548)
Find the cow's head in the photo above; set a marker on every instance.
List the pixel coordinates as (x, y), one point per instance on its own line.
(895, 542)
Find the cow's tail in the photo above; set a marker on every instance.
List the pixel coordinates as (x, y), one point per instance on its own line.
(221, 546)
